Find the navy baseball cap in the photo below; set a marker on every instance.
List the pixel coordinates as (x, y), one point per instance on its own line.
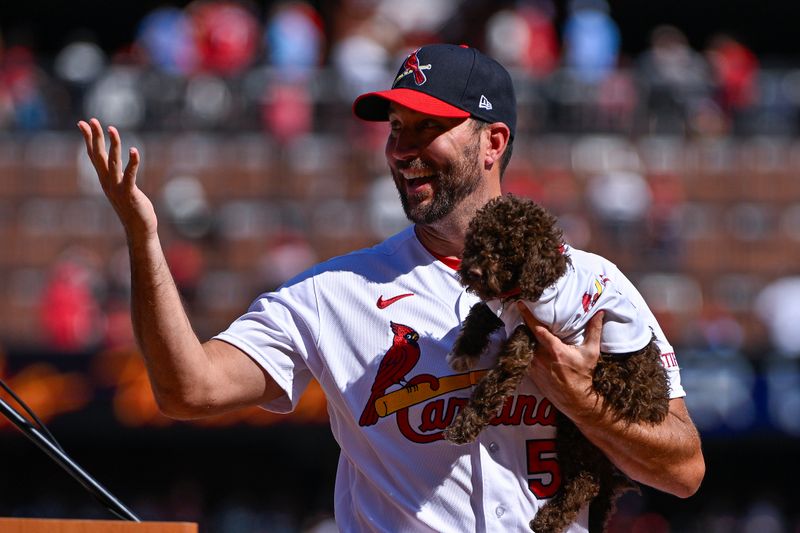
(446, 80)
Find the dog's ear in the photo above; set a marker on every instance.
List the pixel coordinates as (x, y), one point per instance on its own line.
(544, 260)
(535, 275)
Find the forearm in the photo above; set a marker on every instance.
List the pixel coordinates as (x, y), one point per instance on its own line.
(189, 380)
(175, 359)
(666, 456)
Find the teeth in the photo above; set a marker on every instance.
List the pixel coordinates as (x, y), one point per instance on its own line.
(414, 174)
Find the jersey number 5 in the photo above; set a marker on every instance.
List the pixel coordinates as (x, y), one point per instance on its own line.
(543, 467)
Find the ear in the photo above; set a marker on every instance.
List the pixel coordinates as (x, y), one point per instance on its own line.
(498, 135)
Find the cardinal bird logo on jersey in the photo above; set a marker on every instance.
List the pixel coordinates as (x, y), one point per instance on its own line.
(589, 300)
(399, 360)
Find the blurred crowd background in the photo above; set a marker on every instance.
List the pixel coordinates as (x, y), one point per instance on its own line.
(679, 160)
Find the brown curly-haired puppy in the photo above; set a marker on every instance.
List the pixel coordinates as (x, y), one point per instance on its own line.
(513, 250)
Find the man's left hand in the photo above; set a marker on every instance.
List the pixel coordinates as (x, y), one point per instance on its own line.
(563, 372)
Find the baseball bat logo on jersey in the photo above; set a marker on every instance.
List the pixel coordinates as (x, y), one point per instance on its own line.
(424, 390)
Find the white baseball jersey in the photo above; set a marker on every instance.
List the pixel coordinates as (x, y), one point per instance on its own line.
(374, 328)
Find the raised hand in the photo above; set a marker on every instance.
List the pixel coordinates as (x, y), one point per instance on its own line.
(134, 208)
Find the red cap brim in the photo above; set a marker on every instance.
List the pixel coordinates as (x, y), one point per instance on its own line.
(375, 106)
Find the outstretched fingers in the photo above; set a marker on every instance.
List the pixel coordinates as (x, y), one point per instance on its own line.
(86, 132)
(114, 156)
(88, 139)
(134, 209)
(96, 148)
(98, 141)
(129, 176)
(109, 164)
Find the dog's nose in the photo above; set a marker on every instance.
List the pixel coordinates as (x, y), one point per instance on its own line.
(475, 272)
(474, 275)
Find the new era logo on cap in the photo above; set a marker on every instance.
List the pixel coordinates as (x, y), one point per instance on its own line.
(446, 80)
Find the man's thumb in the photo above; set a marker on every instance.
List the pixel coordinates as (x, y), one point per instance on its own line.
(594, 330)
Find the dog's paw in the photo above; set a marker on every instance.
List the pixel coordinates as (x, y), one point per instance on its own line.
(461, 363)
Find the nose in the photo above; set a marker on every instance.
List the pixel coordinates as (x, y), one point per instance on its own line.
(403, 146)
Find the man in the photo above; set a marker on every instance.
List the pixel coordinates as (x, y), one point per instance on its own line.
(374, 328)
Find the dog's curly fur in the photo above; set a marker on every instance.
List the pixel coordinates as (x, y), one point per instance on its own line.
(515, 243)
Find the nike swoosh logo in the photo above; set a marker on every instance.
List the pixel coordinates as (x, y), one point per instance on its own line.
(383, 304)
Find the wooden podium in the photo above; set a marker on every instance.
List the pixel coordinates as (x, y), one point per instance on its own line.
(46, 525)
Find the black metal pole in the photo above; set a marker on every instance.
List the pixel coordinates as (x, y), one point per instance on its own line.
(97, 490)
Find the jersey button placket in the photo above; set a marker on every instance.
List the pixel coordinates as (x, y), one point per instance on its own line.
(499, 510)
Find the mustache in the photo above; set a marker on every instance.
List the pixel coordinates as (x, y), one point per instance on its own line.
(415, 165)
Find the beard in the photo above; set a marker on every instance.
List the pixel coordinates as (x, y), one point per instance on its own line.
(448, 188)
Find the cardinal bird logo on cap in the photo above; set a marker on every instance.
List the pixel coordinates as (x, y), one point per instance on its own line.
(401, 357)
(412, 66)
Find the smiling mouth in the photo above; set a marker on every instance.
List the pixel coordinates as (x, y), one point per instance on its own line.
(418, 185)
(416, 177)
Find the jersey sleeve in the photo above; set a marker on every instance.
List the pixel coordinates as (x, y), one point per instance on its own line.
(277, 332)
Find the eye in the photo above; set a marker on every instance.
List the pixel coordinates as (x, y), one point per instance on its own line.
(429, 124)
(394, 126)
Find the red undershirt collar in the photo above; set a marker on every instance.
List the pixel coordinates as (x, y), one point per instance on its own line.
(448, 260)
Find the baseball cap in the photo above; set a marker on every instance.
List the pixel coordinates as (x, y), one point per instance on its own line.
(446, 80)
